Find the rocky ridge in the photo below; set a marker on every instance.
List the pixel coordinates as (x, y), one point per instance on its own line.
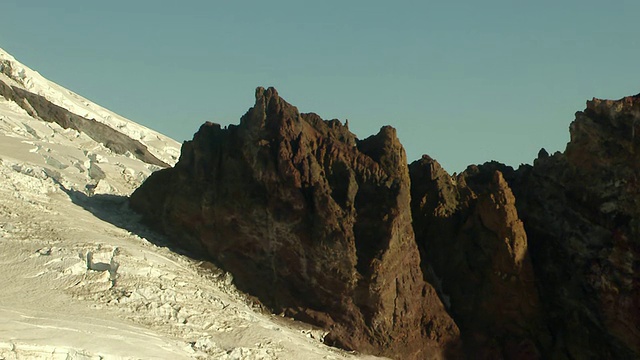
(538, 262)
(581, 212)
(312, 221)
(541, 262)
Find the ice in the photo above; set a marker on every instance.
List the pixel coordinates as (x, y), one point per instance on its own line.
(161, 146)
(83, 279)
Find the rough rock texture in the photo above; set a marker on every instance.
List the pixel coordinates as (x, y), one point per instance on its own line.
(536, 263)
(475, 247)
(41, 108)
(312, 221)
(563, 286)
(582, 213)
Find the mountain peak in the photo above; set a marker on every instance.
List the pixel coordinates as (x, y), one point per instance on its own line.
(314, 223)
(261, 92)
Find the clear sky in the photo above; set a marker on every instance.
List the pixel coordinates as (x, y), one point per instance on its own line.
(463, 81)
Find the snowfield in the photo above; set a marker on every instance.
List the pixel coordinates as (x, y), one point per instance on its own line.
(161, 146)
(81, 278)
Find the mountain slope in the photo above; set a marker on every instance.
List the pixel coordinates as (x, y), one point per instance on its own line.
(542, 261)
(17, 74)
(81, 278)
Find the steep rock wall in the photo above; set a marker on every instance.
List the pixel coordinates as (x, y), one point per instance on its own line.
(475, 247)
(541, 262)
(535, 263)
(581, 210)
(312, 221)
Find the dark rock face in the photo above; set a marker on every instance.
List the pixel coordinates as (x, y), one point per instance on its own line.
(39, 107)
(312, 221)
(552, 272)
(536, 263)
(475, 246)
(582, 213)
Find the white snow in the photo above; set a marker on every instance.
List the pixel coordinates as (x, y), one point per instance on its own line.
(161, 146)
(80, 278)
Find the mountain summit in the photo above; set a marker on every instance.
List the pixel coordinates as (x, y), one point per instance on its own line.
(81, 277)
(313, 221)
(409, 261)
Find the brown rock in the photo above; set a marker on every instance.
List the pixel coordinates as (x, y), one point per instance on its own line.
(475, 246)
(552, 271)
(312, 221)
(581, 210)
(568, 286)
(536, 263)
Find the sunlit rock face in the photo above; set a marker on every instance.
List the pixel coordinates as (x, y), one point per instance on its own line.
(312, 221)
(408, 261)
(541, 262)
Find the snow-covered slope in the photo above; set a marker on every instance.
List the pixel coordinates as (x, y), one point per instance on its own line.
(163, 147)
(82, 279)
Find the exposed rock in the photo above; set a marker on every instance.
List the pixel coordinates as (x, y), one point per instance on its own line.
(568, 286)
(536, 263)
(475, 246)
(582, 213)
(39, 107)
(312, 221)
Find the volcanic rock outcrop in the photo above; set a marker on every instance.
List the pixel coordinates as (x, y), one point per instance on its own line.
(551, 272)
(475, 247)
(312, 221)
(581, 211)
(541, 262)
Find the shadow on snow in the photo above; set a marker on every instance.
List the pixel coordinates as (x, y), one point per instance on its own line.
(115, 210)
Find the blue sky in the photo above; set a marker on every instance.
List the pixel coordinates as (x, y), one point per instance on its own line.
(463, 81)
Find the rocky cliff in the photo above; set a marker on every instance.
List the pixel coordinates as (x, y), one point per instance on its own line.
(581, 210)
(408, 261)
(475, 247)
(541, 262)
(314, 222)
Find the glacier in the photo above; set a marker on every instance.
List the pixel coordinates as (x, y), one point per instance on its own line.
(83, 279)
